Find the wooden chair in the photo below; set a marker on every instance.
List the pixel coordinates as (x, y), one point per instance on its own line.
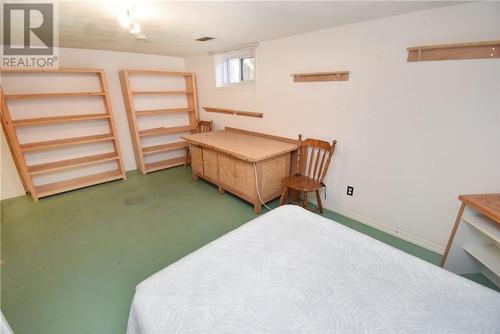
(313, 159)
(203, 126)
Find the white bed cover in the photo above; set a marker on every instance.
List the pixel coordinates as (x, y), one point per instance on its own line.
(290, 270)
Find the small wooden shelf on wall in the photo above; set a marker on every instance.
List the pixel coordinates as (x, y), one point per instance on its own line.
(20, 151)
(475, 50)
(234, 112)
(144, 152)
(321, 76)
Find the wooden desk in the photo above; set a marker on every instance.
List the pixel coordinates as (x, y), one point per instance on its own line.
(229, 158)
(478, 238)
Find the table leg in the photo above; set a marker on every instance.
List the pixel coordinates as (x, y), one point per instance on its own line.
(453, 232)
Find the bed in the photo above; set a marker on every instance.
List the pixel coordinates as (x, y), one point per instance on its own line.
(290, 270)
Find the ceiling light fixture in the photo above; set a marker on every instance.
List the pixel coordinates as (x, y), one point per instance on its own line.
(127, 22)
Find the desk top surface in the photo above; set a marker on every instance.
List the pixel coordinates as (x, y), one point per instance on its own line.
(243, 146)
(487, 204)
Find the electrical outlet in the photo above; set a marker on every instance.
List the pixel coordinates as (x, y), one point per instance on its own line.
(350, 190)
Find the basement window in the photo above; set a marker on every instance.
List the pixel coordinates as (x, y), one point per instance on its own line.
(235, 69)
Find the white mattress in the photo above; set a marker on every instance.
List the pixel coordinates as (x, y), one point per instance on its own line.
(293, 271)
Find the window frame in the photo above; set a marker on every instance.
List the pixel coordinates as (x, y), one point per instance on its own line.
(221, 71)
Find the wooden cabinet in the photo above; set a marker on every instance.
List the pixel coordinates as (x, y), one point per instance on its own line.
(234, 168)
(210, 164)
(227, 172)
(196, 159)
(237, 176)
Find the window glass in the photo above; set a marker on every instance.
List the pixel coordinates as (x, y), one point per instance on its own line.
(233, 70)
(248, 69)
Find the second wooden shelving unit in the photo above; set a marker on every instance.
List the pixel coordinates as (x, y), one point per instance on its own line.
(138, 135)
(29, 171)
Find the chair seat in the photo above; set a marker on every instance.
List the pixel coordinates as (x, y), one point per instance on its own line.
(302, 183)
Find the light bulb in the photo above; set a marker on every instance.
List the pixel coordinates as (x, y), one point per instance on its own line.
(125, 19)
(134, 28)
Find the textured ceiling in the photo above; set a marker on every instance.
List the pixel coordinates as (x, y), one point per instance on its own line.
(172, 27)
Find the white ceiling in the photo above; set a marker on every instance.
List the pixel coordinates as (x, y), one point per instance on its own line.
(172, 27)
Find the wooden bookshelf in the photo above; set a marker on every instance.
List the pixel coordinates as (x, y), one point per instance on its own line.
(138, 135)
(19, 150)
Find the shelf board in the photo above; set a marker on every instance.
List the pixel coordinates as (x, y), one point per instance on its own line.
(70, 163)
(159, 72)
(162, 111)
(41, 70)
(234, 112)
(160, 92)
(43, 145)
(164, 147)
(67, 185)
(164, 131)
(474, 50)
(484, 225)
(321, 76)
(42, 95)
(488, 255)
(162, 164)
(58, 119)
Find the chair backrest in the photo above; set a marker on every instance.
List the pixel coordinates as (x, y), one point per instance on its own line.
(205, 126)
(313, 158)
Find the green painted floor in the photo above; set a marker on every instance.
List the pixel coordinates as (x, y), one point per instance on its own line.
(70, 262)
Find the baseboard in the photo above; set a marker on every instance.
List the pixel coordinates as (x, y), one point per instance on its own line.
(388, 229)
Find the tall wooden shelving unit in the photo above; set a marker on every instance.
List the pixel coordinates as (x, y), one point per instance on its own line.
(19, 150)
(137, 134)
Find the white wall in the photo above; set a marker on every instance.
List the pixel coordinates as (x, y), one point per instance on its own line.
(111, 62)
(411, 136)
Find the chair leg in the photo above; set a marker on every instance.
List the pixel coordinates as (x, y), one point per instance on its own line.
(284, 196)
(318, 199)
(304, 204)
(188, 155)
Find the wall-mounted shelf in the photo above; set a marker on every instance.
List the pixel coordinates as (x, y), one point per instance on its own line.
(476, 50)
(19, 150)
(142, 149)
(321, 76)
(234, 112)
